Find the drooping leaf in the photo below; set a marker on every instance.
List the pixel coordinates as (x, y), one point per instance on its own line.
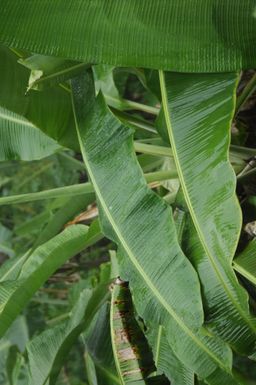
(177, 35)
(48, 351)
(245, 262)
(165, 359)
(198, 111)
(21, 140)
(45, 260)
(155, 269)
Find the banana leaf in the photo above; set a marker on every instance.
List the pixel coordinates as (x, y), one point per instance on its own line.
(141, 224)
(21, 140)
(175, 35)
(198, 110)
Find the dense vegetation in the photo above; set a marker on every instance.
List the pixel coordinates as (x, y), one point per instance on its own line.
(128, 200)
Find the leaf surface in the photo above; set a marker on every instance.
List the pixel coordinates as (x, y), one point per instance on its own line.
(178, 35)
(21, 140)
(198, 111)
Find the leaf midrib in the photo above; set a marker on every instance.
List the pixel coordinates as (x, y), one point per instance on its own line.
(190, 206)
(138, 266)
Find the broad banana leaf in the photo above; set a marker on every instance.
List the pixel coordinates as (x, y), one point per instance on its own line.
(48, 351)
(198, 111)
(177, 35)
(245, 262)
(45, 260)
(21, 140)
(142, 225)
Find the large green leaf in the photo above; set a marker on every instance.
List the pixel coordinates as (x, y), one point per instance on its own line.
(19, 139)
(49, 110)
(181, 35)
(45, 260)
(198, 111)
(48, 351)
(142, 225)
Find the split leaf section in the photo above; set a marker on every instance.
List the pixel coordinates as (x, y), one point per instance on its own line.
(198, 110)
(141, 224)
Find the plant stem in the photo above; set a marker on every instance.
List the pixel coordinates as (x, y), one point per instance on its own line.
(76, 189)
(153, 150)
(246, 93)
(131, 105)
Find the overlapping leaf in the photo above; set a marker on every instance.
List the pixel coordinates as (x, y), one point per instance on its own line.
(198, 111)
(45, 260)
(164, 285)
(176, 35)
(19, 139)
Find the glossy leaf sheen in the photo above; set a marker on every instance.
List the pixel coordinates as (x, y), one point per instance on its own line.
(131, 213)
(198, 111)
(179, 35)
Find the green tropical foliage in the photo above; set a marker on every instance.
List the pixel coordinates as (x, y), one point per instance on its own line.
(127, 179)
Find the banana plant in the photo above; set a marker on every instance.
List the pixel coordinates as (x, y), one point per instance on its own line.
(127, 126)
